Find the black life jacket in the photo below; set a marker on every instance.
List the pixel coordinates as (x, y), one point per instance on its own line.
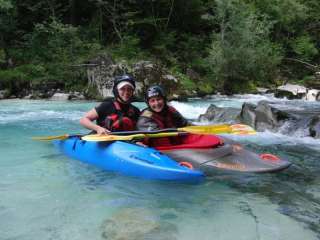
(120, 121)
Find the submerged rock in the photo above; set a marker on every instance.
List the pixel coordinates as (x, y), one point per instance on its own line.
(137, 224)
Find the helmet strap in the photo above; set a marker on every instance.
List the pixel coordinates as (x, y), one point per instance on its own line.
(119, 99)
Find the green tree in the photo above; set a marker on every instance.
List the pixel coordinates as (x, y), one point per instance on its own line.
(241, 53)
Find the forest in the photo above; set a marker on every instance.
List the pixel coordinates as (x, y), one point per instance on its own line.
(234, 46)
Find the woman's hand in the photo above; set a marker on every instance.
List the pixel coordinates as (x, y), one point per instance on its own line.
(102, 130)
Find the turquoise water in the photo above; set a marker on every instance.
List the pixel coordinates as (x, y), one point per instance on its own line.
(45, 195)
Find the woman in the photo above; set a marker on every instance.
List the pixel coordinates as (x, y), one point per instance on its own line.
(159, 115)
(114, 115)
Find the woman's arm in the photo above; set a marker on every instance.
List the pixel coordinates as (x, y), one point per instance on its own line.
(88, 122)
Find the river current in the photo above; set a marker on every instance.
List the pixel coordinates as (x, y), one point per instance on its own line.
(45, 195)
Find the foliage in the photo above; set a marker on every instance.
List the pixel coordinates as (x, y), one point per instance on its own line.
(233, 45)
(241, 51)
(304, 47)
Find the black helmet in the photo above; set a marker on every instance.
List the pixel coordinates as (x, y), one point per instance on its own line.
(154, 91)
(122, 78)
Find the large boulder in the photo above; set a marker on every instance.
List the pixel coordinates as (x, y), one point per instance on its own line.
(263, 116)
(248, 114)
(217, 114)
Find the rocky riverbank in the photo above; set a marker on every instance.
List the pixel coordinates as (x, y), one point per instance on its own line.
(285, 117)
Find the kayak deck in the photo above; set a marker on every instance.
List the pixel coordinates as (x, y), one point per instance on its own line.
(128, 159)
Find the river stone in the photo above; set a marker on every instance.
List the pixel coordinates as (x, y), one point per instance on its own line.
(313, 95)
(263, 116)
(291, 91)
(137, 224)
(268, 117)
(3, 94)
(248, 114)
(217, 114)
(263, 90)
(314, 129)
(60, 97)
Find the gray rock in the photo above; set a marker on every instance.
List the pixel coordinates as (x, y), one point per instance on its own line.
(313, 95)
(60, 97)
(263, 116)
(263, 90)
(268, 117)
(314, 129)
(291, 91)
(248, 114)
(3, 94)
(217, 114)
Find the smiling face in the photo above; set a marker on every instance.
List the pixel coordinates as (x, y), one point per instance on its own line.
(125, 93)
(156, 103)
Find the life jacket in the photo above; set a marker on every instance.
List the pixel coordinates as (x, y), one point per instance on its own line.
(166, 121)
(120, 121)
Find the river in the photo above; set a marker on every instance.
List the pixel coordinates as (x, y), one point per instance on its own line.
(45, 195)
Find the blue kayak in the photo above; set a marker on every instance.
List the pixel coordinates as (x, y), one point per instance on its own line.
(128, 159)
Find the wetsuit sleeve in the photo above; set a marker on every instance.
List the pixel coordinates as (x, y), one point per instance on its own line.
(146, 124)
(180, 121)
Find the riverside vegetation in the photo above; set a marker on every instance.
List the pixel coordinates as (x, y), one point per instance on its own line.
(230, 46)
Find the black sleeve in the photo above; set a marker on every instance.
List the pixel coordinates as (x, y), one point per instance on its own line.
(136, 113)
(180, 121)
(103, 110)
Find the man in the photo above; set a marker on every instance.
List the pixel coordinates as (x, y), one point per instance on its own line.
(114, 115)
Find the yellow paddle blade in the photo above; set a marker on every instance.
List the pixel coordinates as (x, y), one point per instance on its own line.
(219, 129)
(50, 138)
(109, 137)
(242, 129)
(207, 129)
